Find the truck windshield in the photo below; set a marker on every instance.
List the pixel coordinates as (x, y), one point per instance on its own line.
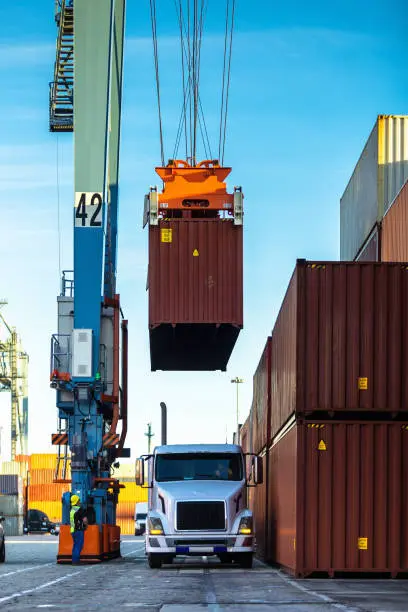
(140, 516)
(198, 466)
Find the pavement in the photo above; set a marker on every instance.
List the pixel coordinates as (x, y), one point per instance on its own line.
(30, 580)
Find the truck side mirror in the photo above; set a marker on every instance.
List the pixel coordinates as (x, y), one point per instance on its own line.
(257, 468)
(140, 475)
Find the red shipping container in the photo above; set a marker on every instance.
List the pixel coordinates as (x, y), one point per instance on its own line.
(395, 229)
(371, 250)
(195, 285)
(261, 400)
(337, 498)
(340, 342)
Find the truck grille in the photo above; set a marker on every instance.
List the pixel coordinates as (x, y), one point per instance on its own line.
(193, 516)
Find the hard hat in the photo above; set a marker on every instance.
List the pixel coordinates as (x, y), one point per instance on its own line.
(74, 500)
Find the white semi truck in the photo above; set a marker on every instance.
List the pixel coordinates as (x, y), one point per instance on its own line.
(198, 502)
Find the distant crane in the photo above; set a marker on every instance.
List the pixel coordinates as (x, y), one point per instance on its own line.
(13, 379)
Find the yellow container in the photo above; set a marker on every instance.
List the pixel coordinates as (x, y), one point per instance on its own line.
(46, 461)
(127, 526)
(52, 509)
(132, 493)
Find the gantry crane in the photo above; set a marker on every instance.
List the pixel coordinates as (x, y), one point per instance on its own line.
(13, 379)
(86, 357)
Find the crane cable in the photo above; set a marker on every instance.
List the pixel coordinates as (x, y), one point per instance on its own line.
(156, 65)
(191, 93)
(229, 30)
(191, 31)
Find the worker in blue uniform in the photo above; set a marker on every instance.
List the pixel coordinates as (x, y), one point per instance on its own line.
(78, 522)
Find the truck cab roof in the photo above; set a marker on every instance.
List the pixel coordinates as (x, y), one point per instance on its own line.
(197, 448)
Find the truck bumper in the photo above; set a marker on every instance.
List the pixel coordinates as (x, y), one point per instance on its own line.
(195, 545)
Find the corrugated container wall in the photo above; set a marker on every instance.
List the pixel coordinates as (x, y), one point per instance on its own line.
(395, 229)
(377, 178)
(338, 495)
(371, 250)
(11, 484)
(261, 400)
(340, 342)
(195, 285)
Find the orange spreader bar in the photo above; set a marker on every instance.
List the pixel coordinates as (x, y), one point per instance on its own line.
(201, 186)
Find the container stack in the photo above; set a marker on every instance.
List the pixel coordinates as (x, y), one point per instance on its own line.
(336, 440)
(374, 206)
(43, 493)
(195, 278)
(12, 503)
(330, 405)
(128, 498)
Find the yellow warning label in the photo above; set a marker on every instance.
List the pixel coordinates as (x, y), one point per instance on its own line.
(362, 543)
(363, 384)
(322, 446)
(166, 235)
(196, 253)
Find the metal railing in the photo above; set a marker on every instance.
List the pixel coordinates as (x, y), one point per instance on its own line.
(60, 360)
(67, 283)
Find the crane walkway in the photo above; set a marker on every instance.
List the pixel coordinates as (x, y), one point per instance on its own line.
(62, 87)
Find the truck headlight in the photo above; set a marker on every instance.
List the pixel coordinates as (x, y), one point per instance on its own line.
(155, 526)
(245, 525)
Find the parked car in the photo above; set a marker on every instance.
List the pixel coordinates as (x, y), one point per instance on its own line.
(2, 541)
(140, 518)
(37, 521)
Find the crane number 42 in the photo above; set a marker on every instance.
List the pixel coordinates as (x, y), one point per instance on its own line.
(88, 209)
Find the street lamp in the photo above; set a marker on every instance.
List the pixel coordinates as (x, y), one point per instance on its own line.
(237, 381)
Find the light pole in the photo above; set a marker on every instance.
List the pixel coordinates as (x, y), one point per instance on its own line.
(149, 436)
(237, 381)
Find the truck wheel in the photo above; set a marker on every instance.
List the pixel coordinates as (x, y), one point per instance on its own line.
(3, 553)
(245, 560)
(154, 560)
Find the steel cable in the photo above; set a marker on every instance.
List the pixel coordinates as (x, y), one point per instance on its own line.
(156, 64)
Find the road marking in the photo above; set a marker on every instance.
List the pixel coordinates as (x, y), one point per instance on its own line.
(22, 542)
(44, 586)
(27, 569)
(324, 598)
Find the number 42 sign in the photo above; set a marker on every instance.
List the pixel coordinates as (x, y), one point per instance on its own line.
(88, 209)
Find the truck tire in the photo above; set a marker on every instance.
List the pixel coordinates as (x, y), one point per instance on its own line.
(245, 560)
(3, 553)
(154, 560)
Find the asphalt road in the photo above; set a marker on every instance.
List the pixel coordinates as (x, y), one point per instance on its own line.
(30, 580)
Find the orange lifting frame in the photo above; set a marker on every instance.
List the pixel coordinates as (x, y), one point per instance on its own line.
(199, 187)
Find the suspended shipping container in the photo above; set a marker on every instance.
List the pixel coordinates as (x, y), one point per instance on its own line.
(337, 498)
(340, 342)
(377, 178)
(195, 293)
(195, 278)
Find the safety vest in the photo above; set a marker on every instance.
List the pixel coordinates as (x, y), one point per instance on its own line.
(73, 510)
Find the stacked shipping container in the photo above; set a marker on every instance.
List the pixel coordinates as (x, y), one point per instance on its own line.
(388, 241)
(378, 176)
(337, 377)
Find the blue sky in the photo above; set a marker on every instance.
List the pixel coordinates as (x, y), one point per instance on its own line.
(308, 80)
